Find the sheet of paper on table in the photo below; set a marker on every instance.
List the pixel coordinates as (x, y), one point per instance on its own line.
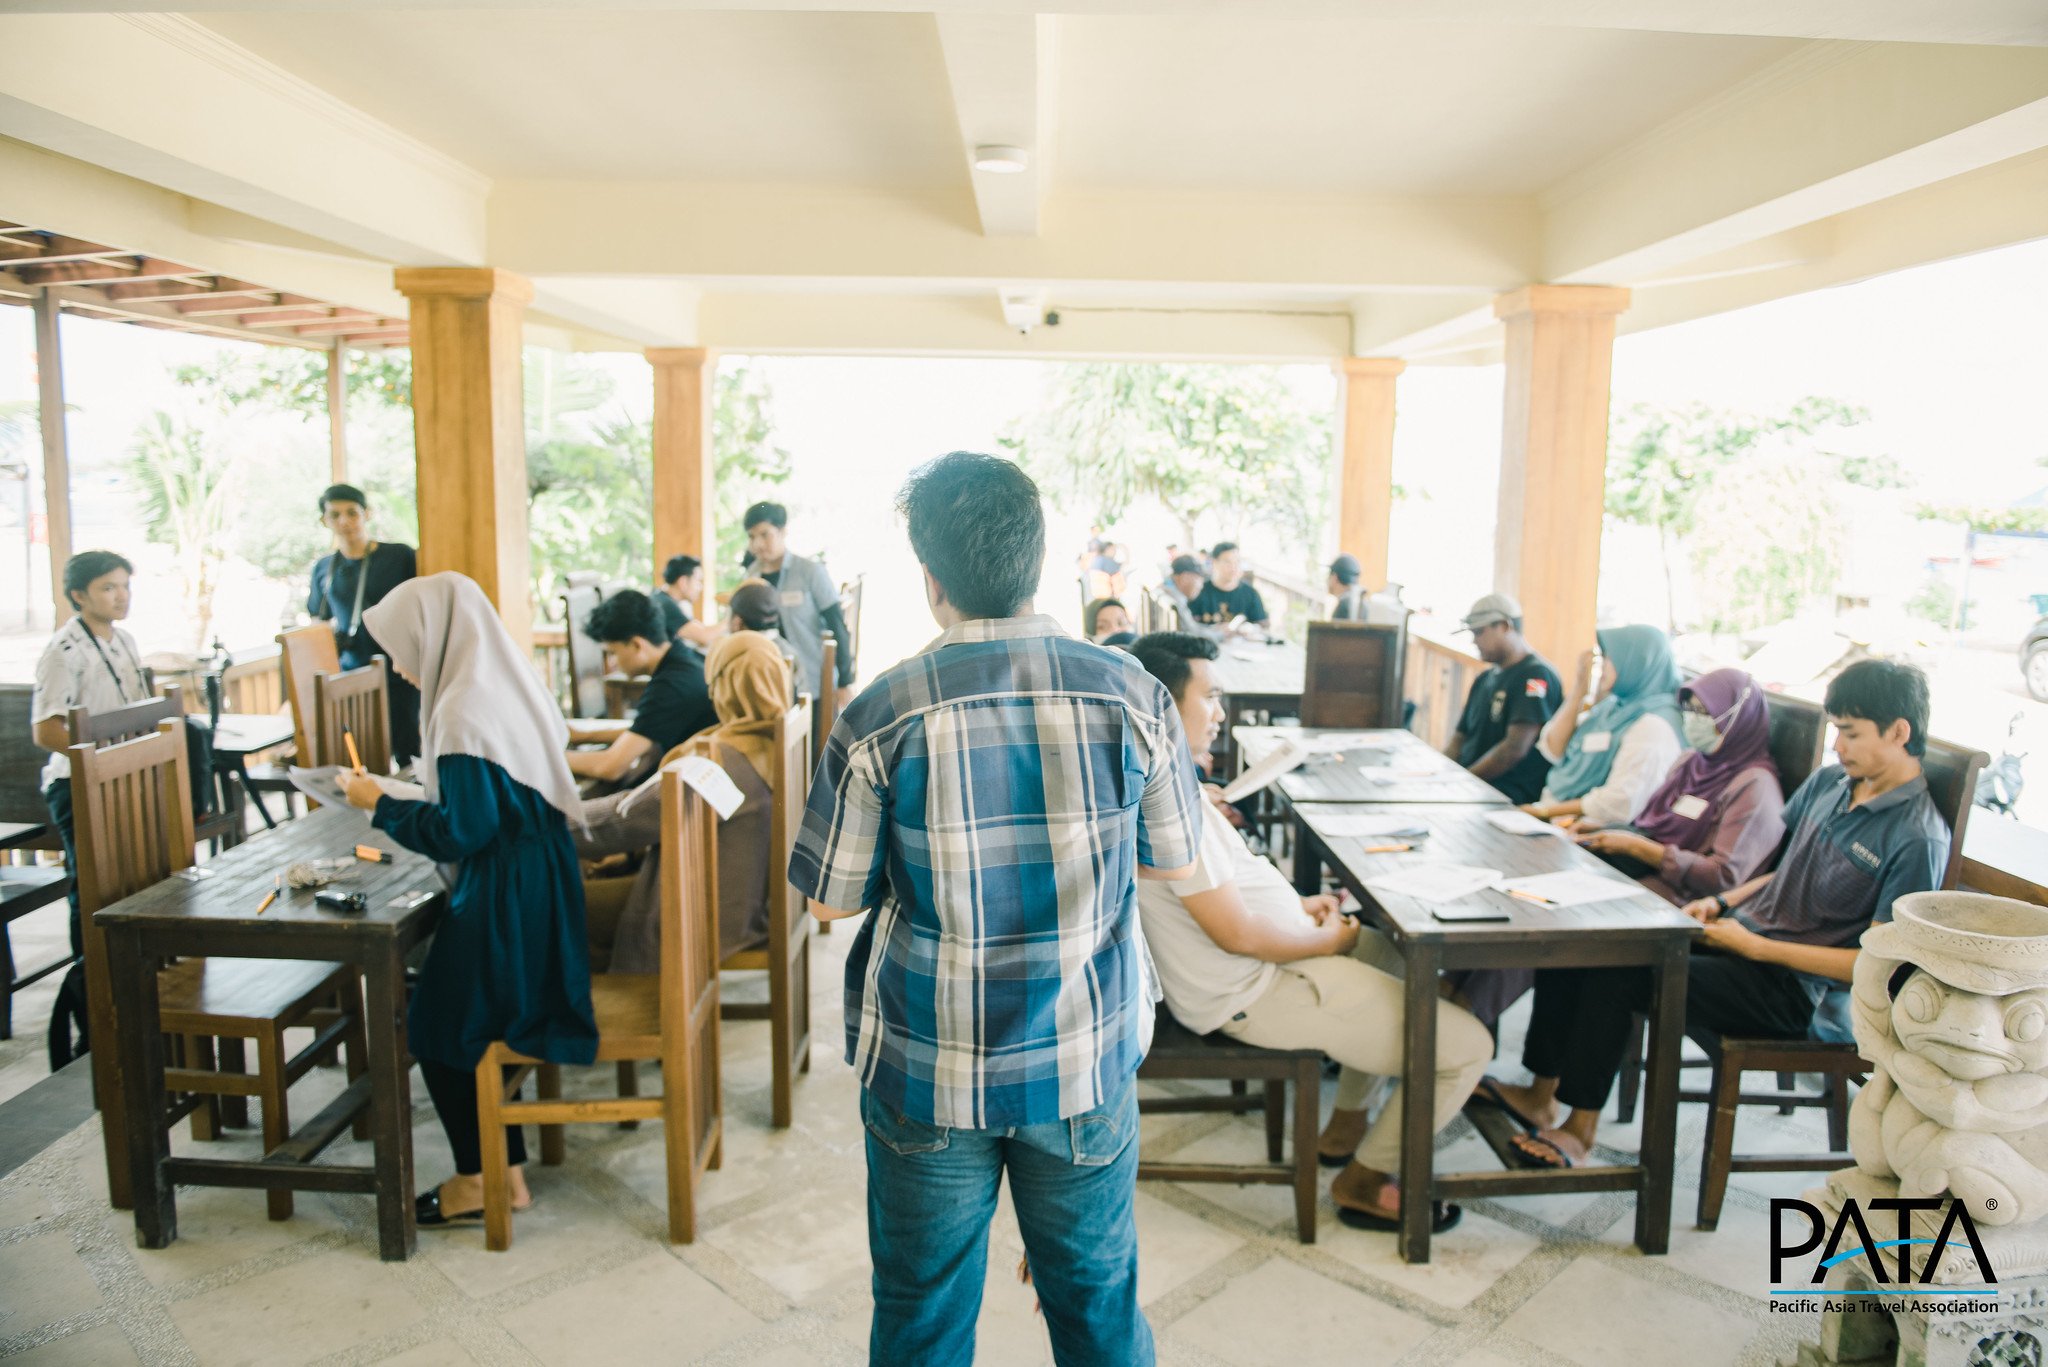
(1336, 742)
(1517, 822)
(1367, 823)
(1383, 776)
(1436, 882)
(1283, 758)
(1571, 888)
(319, 785)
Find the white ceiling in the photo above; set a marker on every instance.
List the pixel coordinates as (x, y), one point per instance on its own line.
(1209, 102)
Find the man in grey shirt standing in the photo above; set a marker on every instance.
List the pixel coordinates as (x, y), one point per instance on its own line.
(810, 600)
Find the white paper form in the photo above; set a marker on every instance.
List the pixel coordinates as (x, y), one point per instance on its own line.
(1366, 823)
(1517, 822)
(1283, 758)
(320, 785)
(1571, 888)
(1436, 883)
(711, 782)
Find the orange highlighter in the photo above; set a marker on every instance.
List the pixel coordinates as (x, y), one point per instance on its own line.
(355, 757)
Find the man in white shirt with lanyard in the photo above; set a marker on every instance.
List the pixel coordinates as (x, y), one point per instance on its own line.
(89, 663)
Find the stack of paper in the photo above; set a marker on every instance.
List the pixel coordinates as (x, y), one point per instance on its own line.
(1369, 824)
(1518, 822)
(1571, 888)
(1436, 882)
(321, 786)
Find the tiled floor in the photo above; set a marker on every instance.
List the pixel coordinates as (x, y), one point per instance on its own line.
(779, 1273)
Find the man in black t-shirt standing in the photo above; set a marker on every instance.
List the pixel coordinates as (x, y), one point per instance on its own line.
(675, 705)
(1508, 705)
(1226, 597)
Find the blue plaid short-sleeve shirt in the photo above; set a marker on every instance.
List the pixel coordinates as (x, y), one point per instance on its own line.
(992, 798)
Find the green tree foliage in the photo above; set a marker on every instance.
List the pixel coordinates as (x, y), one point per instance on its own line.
(1768, 541)
(187, 485)
(1217, 446)
(1663, 462)
(748, 465)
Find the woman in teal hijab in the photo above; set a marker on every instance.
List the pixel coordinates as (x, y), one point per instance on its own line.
(1609, 757)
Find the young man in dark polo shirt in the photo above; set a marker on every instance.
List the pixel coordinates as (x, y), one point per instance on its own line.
(1227, 597)
(1858, 835)
(675, 706)
(1508, 705)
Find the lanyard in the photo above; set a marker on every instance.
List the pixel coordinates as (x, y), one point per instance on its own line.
(355, 616)
(112, 672)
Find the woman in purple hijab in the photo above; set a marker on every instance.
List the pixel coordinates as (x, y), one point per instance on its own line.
(1721, 812)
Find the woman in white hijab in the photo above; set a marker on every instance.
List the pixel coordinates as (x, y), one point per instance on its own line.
(509, 961)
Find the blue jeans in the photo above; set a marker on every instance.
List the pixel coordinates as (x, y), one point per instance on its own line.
(931, 1194)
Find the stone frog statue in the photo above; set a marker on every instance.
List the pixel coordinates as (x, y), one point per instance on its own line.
(1950, 1001)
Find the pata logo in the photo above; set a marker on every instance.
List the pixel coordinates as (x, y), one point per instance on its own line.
(1850, 1238)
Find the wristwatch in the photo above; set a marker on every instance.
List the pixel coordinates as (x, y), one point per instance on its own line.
(1722, 903)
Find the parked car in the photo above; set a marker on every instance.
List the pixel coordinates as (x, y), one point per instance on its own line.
(2034, 659)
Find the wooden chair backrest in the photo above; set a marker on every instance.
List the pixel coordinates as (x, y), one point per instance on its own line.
(586, 656)
(689, 952)
(359, 700)
(123, 723)
(791, 785)
(304, 652)
(825, 707)
(21, 762)
(1354, 675)
(1799, 737)
(1952, 772)
(1165, 612)
(131, 805)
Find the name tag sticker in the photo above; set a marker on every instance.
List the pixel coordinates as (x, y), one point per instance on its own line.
(712, 783)
(1689, 807)
(792, 598)
(1597, 743)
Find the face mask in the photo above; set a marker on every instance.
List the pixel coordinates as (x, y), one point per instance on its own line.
(1700, 733)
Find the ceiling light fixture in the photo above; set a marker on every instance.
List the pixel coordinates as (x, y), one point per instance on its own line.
(1001, 159)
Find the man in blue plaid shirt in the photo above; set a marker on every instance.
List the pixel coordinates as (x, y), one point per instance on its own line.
(993, 798)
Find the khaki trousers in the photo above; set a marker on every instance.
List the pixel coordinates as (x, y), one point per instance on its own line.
(1352, 1012)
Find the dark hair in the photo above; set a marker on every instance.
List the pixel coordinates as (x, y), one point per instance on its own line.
(679, 567)
(1186, 564)
(1165, 655)
(1094, 610)
(757, 605)
(1222, 548)
(343, 493)
(976, 523)
(81, 569)
(765, 512)
(623, 616)
(1881, 692)
(1122, 640)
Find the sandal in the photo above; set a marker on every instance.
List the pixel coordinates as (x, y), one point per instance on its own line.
(1555, 1151)
(1444, 1215)
(1488, 1093)
(427, 1213)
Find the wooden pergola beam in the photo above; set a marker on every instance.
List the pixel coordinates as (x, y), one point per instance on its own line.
(222, 288)
(54, 248)
(235, 304)
(80, 299)
(94, 272)
(277, 318)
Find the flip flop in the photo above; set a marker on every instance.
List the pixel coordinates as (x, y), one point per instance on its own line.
(1524, 1158)
(427, 1213)
(1488, 1093)
(1443, 1216)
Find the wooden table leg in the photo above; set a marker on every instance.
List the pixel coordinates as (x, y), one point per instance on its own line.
(1422, 964)
(390, 1103)
(140, 1046)
(1660, 1100)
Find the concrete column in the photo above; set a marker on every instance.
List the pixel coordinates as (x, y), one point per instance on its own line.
(56, 454)
(684, 498)
(469, 431)
(1365, 462)
(1553, 466)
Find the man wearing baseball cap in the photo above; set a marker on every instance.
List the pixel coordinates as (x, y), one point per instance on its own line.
(1508, 705)
(1345, 588)
(1184, 580)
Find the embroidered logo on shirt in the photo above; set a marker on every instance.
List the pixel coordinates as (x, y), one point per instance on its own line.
(1536, 688)
(1864, 855)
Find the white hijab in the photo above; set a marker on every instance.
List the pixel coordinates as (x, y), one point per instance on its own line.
(478, 695)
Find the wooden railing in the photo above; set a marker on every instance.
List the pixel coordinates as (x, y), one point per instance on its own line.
(1291, 604)
(1439, 673)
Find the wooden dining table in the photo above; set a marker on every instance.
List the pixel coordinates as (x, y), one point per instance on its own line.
(236, 736)
(1636, 928)
(1257, 678)
(215, 914)
(1387, 766)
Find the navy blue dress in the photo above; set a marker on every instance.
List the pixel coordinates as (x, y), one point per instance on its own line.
(510, 961)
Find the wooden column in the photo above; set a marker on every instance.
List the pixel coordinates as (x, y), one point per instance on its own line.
(337, 413)
(1365, 463)
(683, 460)
(56, 453)
(469, 431)
(1553, 459)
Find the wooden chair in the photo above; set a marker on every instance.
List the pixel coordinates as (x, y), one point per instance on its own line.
(302, 654)
(358, 701)
(24, 886)
(142, 719)
(787, 957)
(133, 810)
(671, 1016)
(1354, 675)
(1951, 772)
(1178, 1053)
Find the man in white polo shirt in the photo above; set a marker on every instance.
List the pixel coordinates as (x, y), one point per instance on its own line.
(1237, 950)
(89, 663)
